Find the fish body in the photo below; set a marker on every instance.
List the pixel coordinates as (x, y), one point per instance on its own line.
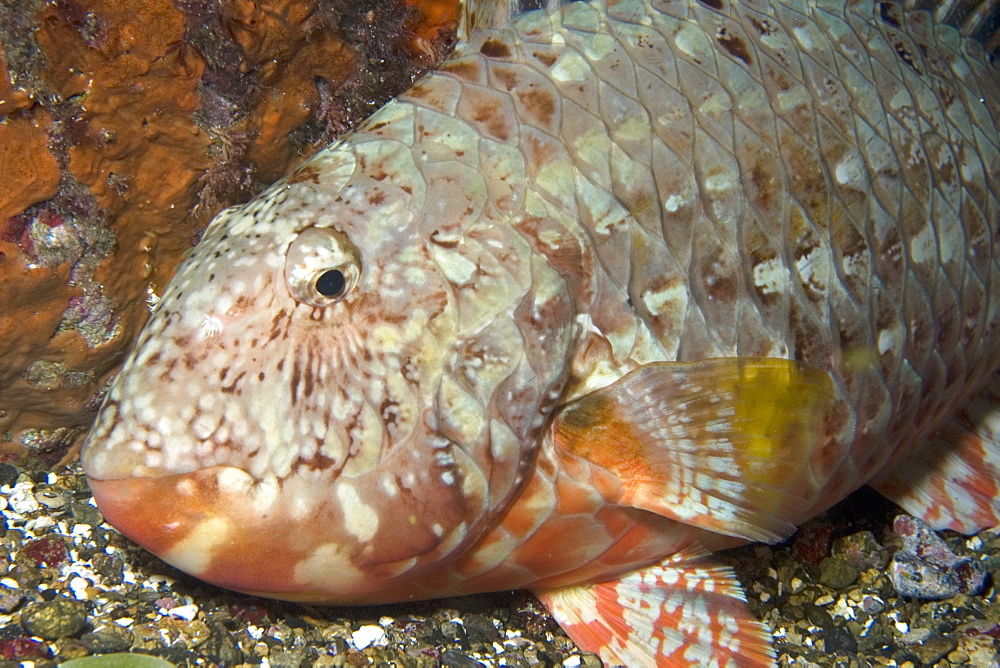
(619, 285)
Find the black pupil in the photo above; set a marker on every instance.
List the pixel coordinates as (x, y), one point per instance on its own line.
(331, 283)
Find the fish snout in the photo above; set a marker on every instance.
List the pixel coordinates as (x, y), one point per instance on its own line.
(222, 526)
(351, 541)
(212, 523)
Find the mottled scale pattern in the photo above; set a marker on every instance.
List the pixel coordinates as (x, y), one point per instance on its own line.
(570, 197)
(815, 181)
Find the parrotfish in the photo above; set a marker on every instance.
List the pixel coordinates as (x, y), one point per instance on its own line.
(619, 285)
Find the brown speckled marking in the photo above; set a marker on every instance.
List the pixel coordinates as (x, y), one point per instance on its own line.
(540, 104)
(546, 59)
(233, 388)
(492, 113)
(493, 48)
(734, 46)
(466, 70)
(505, 74)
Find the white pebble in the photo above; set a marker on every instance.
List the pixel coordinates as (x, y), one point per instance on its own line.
(79, 587)
(39, 523)
(367, 635)
(185, 612)
(842, 608)
(22, 499)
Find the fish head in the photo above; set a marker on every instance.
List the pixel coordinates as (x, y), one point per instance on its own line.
(340, 389)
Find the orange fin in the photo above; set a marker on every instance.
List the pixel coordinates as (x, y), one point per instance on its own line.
(687, 610)
(952, 480)
(722, 444)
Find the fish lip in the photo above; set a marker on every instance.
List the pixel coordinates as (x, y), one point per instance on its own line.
(121, 498)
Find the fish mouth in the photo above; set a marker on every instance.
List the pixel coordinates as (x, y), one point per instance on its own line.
(227, 528)
(205, 523)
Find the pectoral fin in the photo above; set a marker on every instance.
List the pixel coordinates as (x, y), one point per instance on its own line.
(478, 15)
(723, 444)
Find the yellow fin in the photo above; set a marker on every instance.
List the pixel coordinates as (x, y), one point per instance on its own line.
(723, 444)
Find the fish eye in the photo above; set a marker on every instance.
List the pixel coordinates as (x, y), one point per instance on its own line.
(331, 283)
(322, 266)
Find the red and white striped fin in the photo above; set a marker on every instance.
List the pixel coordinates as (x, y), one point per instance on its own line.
(952, 481)
(688, 610)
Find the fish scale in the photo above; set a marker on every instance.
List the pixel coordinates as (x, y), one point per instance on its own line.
(618, 285)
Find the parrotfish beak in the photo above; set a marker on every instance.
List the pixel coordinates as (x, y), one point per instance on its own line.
(202, 523)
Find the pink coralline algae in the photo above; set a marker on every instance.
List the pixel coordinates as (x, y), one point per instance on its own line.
(23, 649)
(49, 551)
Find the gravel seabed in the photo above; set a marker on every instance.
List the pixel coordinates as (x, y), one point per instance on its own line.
(72, 587)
